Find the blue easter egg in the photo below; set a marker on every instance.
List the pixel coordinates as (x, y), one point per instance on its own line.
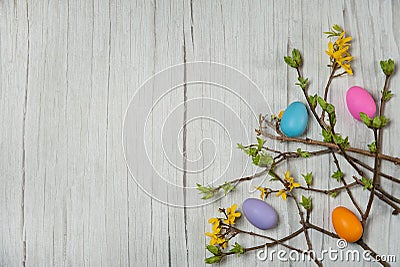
(294, 120)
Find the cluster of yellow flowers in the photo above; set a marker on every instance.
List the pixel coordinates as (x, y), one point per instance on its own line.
(217, 237)
(290, 185)
(232, 215)
(339, 54)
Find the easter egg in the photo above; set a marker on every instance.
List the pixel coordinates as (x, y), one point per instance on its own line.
(346, 224)
(294, 120)
(359, 100)
(259, 213)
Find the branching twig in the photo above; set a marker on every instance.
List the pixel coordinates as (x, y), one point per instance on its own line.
(369, 168)
(309, 141)
(345, 183)
(328, 191)
(378, 141)
(331, 77)
(333, 143)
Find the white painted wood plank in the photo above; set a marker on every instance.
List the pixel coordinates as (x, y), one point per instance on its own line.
(158, 236)
(68, 121)
(13, 73)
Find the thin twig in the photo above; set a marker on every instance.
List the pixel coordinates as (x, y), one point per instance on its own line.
(309, 141)
(314, 112)
(328, 191)
(360, 242)
(378, 135)
(381, 197)
(335, 67)
(345, 183)
(246, 178)
(372, 252)
(369, 168)
(305, 229)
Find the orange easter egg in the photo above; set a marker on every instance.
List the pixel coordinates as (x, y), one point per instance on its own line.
(346, 224)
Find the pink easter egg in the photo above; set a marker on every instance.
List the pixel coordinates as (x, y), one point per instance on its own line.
(359, 100)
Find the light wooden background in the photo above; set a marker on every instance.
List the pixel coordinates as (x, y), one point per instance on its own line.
(67, 72)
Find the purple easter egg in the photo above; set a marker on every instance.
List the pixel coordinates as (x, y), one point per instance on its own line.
(259, 213)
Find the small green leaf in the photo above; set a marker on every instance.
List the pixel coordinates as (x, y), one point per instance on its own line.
(322, 103)
(343, 143)
(376, 122)
(213, 249)
(208, 195)
(296, 57)
(372, 147)
(290, 61)
(213, 259)
(273, 177)
(302, 153)
(330, 109)
(367, 183)
(308, 178)
(387, 66)
(379, 122)
(338, 175)
(261, 143)
(333, 194)
(238, 249)
(366, 119)
(256, 159)
(335, 31)
(251, 151)
(384, 121)
(337, 28)
(208, 192)
(313, 100)
(295, 60)
(387, 95)
(227, 187)
(332, 119)
(203, 189)
(327, 136)
(265, 160)
(331, 34)
(337, 138)
(306, 202)
(240, 146)
(302, 82)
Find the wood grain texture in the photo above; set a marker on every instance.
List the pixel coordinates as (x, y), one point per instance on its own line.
(68, 70)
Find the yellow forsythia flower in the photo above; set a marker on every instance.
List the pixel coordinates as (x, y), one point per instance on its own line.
(232, 215)
(282, 193)
(262, 190)
(338, 52)
(290, 179)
